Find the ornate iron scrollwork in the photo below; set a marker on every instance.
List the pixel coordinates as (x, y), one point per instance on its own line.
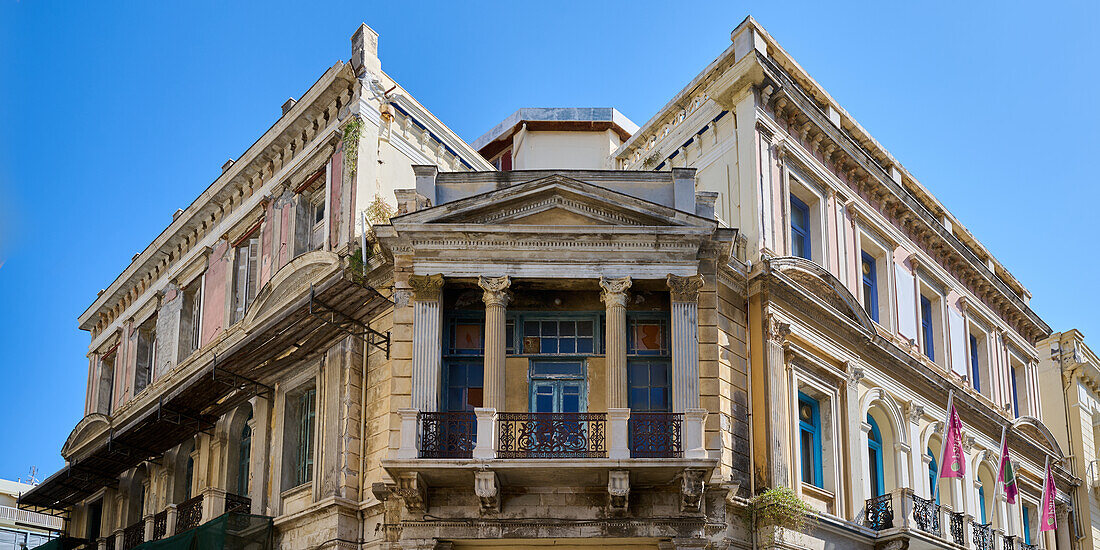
(160, 525)
(958, 526)
(447, 434)
(189, 514)
(880, 512)
(551, 435)
(655, 435)
(926, 514)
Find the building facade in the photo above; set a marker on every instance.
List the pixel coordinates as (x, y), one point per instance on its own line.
(21, 529)
(1069, 383)
(367, 333)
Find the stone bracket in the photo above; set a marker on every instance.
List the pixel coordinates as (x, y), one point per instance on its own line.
(487, 488)
(618, 490)
(414, 491)
(691, 491)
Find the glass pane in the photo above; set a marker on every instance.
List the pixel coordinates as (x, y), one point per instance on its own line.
(566, 328)
(638, 374)
(647, 337)
(510, 337)
(584, 345)
(467, 336)
(567, 345)
(549, 328)
(559, 368)
(658, 374)
(458, 375)
(571, 399)
(658, 399)
(584, 328)
(474, 375)
(549, 345)
(639, 399)
(531, 328)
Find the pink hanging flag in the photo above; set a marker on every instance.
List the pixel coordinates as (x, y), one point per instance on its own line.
(1006, 474)
(952, 462)
(1047, 521)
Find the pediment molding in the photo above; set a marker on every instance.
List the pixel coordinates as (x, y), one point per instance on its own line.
(86, 430)
(288, 283)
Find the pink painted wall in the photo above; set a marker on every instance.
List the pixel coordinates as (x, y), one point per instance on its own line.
(286, 240)
(213, 293)
(266, 235)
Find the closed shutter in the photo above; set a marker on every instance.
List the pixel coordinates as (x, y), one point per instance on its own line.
(253, 269)
(958, 342)
(907, 309)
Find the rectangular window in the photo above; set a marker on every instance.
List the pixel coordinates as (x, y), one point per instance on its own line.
(975, 366)
(191, 320)
(800, 229)
(648, 385)
(558, 336)
(1027, 524)
(927, 328)
(304, 407)
(647, 337)
(870, 286)
(107, 382)
(558, 385)
(146, 354)
(1015, 394)
(809, 428)
(246, 272)
(465, 383)
(467, 337)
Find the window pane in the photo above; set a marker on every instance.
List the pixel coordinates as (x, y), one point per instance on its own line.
(549, 328)
(567, 345)
(467, 336)
(584, 345)
(584, 328)
(531, 328)
(639, 399)
(566, 328)
(548, 345)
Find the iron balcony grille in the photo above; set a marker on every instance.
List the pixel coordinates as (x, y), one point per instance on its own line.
(237, 503)
(160, 525)
(551, 435)
(447, 434)
(958, 526)
(189, 514)
(926, 514)
(133, 535)
(880, 512)
(109, 542)
(983, 536)
(655, 435)
(1009, 542)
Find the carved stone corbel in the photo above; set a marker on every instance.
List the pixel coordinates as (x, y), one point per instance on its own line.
(691, 491)
(487, 489)
(618, 490)
(412, 489)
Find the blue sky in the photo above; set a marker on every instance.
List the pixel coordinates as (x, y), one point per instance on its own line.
(113, 115)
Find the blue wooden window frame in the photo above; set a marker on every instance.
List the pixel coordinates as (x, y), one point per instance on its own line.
(244, 457)
(870, 285)
(932, 476)
(1015, 394)
(975, 368)
(801, 241)
(1027, 524)
(810, 440)
(874, 454)
(553, 374)
(649, 384)
(981, 502)
(574, 334)
(460, 378)
(633, 319)
(453, 321)
(307, 414)
(927, 328)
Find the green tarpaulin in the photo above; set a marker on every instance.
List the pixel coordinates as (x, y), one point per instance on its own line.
(226, 532)
(61, 543)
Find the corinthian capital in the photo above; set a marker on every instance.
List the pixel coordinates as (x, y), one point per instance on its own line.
(426, 288)
(496, 290)
(685, 289)
(614, 290)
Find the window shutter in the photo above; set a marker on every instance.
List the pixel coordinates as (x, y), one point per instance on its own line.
(907, 309)
(958, 342)
(253, 269)
(302, 225)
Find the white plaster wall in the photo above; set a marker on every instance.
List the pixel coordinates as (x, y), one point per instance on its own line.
(563, 150)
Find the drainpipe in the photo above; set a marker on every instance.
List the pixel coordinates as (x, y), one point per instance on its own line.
(1069, 434)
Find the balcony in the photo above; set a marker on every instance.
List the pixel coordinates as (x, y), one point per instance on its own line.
(214, 510)
(27, 517)
(902, 515)
(488, 449)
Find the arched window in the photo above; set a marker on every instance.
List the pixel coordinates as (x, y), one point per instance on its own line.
(932, 493)
(874, 455)
(244, 456)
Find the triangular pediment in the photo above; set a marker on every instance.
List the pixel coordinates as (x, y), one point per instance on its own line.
(554, 200)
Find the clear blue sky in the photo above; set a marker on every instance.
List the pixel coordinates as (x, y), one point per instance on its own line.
(113, 115)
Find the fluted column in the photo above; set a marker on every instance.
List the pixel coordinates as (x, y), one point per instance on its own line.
(427, 370)
(685, 341)
(614, 299)
(496, 302)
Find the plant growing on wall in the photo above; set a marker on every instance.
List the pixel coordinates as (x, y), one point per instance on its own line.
(352, 130)
(778, 507)
(378, 211)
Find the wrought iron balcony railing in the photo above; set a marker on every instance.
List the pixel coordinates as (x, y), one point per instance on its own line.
(160, 525)
(133, 535)
(551, 435)
(447, 434)
(237, 503)
(189, 514)
(656, 435)
(109, 542)
(958, 528)
(880, 512)
(1029, 546)
(983, 536)
(926, 514)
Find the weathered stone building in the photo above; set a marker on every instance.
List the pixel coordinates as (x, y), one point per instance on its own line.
(575, 332)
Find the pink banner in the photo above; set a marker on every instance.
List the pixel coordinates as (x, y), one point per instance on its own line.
(1006, 473)
(1047, 521)
(954, 461)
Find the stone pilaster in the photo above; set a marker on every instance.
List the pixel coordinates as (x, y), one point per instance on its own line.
(685, 341)
(496, 302)
(614, 298)
(775, 336)
(427, 371)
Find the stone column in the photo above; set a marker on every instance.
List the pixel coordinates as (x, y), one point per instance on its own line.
(614, 298)
(427, 370)
(856, 439)
(496, 301)
(685, 341)
(777, 404)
